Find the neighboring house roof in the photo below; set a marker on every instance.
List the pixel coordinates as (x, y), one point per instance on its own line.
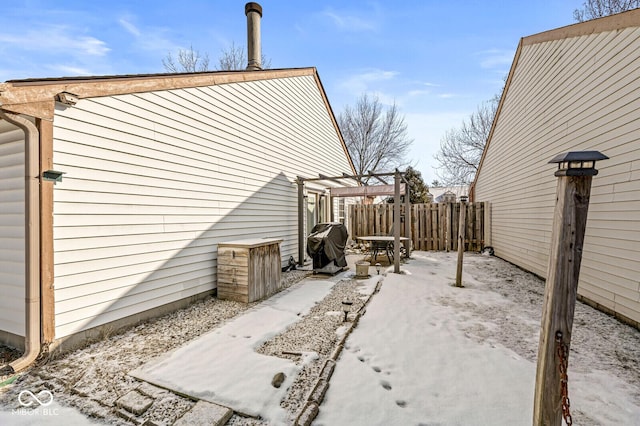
(610, 23)
(439, 191)
(36, 96)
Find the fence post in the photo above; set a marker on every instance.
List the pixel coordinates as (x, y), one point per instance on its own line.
(461, 231)
(575, 171)
(407, 219)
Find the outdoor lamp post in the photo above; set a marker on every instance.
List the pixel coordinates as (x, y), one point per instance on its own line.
(378, 266)
(551, 398)
(346, 308)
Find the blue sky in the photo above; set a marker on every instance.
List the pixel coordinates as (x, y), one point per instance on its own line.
(438, 60)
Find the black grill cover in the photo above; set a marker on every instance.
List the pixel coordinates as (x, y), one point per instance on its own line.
(326, 243)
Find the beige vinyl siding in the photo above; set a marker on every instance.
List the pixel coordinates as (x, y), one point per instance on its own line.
(580, 93)
(12, 229)
(154, 181)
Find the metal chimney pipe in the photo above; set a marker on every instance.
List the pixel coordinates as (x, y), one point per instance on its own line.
(254, 53)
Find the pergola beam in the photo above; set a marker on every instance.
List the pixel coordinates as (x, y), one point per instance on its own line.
(365, 190)
(345, 176)
(372, 174)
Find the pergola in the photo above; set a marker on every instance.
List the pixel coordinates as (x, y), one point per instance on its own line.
(363, 189)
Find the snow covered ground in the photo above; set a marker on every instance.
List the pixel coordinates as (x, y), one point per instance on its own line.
(425, 352)
(428, 353)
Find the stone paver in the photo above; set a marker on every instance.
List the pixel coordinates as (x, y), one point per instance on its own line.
(134, 402)
(203, 411)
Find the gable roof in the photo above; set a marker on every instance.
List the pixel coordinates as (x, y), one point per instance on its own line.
(609, 23)
(36, 97)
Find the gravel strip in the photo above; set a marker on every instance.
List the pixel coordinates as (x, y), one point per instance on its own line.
(94, 377)
(319, 331)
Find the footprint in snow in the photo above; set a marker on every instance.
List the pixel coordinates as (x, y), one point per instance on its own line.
(386, 385)
(376, 369)
(401, 403)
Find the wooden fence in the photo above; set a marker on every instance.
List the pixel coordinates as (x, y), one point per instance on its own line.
(433, 226)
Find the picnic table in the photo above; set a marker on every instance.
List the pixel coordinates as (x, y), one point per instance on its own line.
(380, 243)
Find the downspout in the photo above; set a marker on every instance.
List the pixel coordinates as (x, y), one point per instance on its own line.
(32, 227)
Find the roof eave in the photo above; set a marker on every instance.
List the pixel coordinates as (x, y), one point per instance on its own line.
(35, 97)
(618, 21)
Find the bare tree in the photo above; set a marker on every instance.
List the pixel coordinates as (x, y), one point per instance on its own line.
(592, 9)
(234, 58)
(461, 148)
(377, 139)
(189, 60)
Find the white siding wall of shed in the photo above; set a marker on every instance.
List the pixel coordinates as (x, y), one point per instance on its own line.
(154, 181)
(12, 229)
(580, 93)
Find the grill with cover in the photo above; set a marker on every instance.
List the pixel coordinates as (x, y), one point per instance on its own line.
(326, 245)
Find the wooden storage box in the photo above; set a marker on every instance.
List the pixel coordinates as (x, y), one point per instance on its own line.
(249, 270)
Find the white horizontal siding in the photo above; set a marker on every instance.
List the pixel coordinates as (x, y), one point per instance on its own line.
(12, 229)
(581, 93)
(154, 181)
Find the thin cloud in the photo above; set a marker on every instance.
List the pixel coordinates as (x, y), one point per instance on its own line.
(57, 39)
(345, 21)
(67, 70)
(150, 39)
(423, 88)
(378, 75)
(386, 99)
(129, 27)
(422, 92)
(495, 58)
(361, 82)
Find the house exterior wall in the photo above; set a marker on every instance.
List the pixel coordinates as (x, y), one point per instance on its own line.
(12, 233)
(571, 94)
(154, 181)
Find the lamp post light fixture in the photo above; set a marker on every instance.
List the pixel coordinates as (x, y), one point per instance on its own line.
(378, 266)
(346, 308)
(577, 163)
